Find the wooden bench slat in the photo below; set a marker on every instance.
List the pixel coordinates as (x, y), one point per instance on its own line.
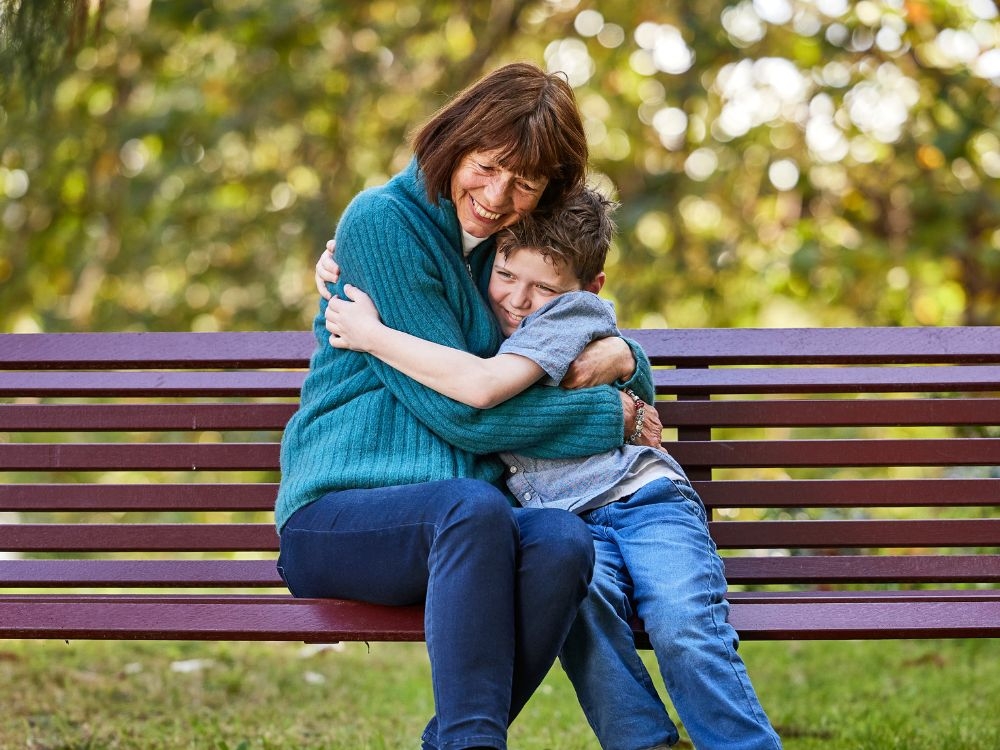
(860, 412)
(839, 569)
(798, 569)
(208, 618)
(143, 417)
(139, 537)
(717, 453)
(888, 344)
(836, 596)
(150, 384)
(848, 493)
(250, 349)
(325, 621)
(869, 619)
(680, 382)
(828, 380)
(779, 493)
(979, 532)
(71, 496)
(836, 453)
(782, 346)
(131, 456)
(139, 573)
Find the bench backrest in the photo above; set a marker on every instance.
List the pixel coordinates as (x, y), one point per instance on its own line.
(828, 457)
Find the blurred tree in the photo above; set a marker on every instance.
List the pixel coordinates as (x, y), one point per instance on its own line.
(166, 166)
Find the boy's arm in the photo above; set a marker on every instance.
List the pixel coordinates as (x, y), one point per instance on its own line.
(479, 382)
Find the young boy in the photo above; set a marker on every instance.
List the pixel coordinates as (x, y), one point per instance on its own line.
(654, 556)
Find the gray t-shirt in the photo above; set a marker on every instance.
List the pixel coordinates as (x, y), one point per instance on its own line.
(552, 337)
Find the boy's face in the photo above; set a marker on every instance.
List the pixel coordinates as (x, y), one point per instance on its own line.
(524, 281)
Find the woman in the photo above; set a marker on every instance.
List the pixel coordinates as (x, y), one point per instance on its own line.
(389, 491)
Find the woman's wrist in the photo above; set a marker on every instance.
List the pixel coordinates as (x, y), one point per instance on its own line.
(640, 416)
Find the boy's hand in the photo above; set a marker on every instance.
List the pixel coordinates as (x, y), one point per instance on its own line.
(352, 322)
(326, 270)
(602, 362)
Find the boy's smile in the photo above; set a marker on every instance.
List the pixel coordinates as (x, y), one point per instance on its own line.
(524, 281)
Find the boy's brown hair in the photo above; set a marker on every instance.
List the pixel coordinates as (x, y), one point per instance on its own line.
(577, 233)
(529, 115)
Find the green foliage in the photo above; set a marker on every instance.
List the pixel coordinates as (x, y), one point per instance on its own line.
(175, 166)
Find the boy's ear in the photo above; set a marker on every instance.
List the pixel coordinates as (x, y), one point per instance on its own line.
(595, 285)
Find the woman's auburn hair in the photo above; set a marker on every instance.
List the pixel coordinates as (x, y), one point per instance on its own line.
(526, 114)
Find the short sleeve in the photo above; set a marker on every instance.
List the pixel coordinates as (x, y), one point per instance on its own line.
(554, 335)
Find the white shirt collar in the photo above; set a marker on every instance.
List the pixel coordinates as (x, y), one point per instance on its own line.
(469, 242)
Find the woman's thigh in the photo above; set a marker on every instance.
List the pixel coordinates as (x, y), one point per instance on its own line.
(375, 544)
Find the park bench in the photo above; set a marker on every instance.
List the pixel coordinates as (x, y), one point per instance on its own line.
(851, 474)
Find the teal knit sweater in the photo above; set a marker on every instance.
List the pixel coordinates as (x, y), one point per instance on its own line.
(361, 424)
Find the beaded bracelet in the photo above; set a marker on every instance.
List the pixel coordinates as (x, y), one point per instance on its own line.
(640, 413)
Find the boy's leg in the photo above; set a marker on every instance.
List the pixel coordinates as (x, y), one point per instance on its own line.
(611, 682)
(679, 588)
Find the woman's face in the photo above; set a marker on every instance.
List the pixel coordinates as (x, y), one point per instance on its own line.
(488, 197)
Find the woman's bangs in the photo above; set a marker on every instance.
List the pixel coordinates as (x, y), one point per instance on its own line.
(528, 156)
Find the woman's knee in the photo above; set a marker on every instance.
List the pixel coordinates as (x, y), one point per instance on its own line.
(561, 542)
(477, 501)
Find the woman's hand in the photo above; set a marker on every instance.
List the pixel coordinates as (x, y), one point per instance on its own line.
(327, 270)
(602, 362)
(652, 429)
(352, 321)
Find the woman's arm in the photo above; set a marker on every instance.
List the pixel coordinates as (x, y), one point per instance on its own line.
(480, 382)
(421, 286)
(607, 361)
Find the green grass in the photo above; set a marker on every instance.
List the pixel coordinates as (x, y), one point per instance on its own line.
(911, 695)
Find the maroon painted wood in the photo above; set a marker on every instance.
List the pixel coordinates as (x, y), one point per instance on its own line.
(150, 351)
(257, 573)
(831, 453)
(867, 412)
(144, 417)
(79, 497)
(172, 440)
(207, 618)
(149, 456)
(141, 573)
(149, 384)
(828, 380)
(132, 537)
(849, 493)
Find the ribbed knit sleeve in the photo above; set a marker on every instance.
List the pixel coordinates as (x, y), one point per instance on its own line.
(642, 379)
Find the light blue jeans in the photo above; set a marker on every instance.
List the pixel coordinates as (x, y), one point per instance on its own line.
(655, 558)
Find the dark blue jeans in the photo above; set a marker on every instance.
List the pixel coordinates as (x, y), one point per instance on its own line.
(501, 587)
